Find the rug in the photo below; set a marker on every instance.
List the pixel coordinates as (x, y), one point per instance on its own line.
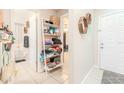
(112, 78)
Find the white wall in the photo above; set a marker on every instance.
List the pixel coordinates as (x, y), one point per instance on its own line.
(7, 17)
(21, 16)
(61, 12)
(32, 39)
(81, 47)
(84, 49)
(46, 13)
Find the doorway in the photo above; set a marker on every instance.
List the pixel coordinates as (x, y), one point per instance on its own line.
(64, 26)
(23, 24)
(57, 68)
(112, 42)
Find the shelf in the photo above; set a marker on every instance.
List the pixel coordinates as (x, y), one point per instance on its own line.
(59, 65)
(52, 35)
(53, 45)
(53, 56)
(50, 25)
(46, 35)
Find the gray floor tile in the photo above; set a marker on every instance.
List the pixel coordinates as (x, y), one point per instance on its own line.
(105, 81)
(112, 78)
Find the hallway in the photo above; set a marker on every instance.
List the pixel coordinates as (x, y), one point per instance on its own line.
(26, 74)
(94, 76)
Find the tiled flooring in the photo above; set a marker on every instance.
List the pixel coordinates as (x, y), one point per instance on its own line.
(26, 75)
(98, 76)
(94, 77)
(112, 78)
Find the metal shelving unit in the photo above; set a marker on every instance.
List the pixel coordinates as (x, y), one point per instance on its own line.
(47, 35)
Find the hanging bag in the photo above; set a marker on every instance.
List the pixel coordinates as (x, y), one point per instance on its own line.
(80, 25)
(8, 69)
(83, 25)
(8, 72)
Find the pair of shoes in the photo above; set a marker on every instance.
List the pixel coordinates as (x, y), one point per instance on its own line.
(56, 41)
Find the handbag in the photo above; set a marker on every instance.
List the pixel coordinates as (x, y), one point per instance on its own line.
(8, 72)
(82, 25)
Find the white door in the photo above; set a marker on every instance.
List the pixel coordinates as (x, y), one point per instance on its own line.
(112, 42)
(18, 33)
(32, 39)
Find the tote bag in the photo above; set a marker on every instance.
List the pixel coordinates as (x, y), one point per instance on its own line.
(7, 72)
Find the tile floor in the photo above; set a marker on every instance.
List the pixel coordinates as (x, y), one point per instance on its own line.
(98, 76)
(26, 74)
(94, 77)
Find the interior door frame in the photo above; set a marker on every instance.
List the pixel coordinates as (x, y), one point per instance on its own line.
(61, 23)
(61, 29)
(99, 32)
